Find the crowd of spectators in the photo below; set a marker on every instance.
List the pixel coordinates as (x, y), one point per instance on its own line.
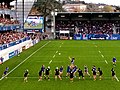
(89, 27)
(11, 36)
(4, 5)
(5, 21)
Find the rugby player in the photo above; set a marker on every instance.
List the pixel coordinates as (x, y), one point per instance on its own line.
(40, 75)
(86, 71)
(68, 71)
(61, 71)
(71, 75)
(26, 73)
(47, 73)
(114, 61)
(80, 73)
(5, 72)
(100, 73)
(94, 72)
(57, 73)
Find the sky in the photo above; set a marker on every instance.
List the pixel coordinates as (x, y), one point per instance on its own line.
(110, 2)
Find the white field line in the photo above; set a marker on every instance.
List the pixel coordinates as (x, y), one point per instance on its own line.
(117, 78)
(99, 51)
(106, 62)
(50, 62)
(24, 60)
(53, 56)
(56, 61)
(56, 51)
(101, 54)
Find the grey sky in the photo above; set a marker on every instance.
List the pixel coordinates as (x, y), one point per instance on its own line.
(110, 2)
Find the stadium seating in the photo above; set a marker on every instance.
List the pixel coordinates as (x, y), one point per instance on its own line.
(11, 36)
(89, 27)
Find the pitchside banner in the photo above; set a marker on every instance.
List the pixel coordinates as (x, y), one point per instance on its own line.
(96, 37)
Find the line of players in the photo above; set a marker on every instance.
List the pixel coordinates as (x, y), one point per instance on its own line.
(71, 72)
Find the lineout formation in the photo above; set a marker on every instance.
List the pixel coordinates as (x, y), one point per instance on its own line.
(72, 69)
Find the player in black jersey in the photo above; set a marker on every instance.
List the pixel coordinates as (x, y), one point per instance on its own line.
(26, 73)
(57, 73)
(100, 73)
(86, 71)
(47, 73)
(40, 75)
(114, 75)
(71, 75)
(80, 73)
(94, 72)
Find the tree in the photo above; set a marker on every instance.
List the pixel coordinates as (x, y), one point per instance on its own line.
(108, 8)
(45, 7)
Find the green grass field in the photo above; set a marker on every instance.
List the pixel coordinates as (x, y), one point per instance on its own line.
(98, 53)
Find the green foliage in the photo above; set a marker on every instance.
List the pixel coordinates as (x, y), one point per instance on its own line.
(46, 6)
(108, 8)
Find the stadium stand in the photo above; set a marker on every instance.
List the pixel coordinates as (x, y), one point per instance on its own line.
(87, 23)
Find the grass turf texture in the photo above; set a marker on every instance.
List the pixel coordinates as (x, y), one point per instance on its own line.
(85, 53)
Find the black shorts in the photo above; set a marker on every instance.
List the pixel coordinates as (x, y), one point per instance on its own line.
(40, 74)
(94, 73)
(113, 74)
(71, 75)
(25, 75)
(56, 74)
(47, 73)
(81, 75)
(100, 74)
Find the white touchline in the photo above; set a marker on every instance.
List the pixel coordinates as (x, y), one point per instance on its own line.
(24, 60)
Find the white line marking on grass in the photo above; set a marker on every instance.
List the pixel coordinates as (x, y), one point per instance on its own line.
(56, 51)
(54, 77)
(54, 56)
(102, 56)
(107, 78)
(96, 46)
(50, 62)
(99, 51)
(116, 78)
(24, 60)
(106, 62)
